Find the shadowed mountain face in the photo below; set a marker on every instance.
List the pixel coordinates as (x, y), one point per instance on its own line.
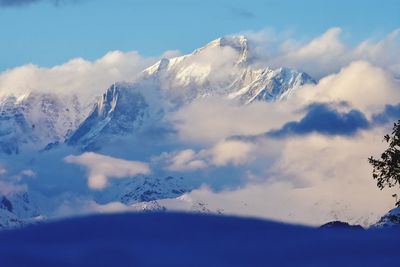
(119, 111)
(167, 239)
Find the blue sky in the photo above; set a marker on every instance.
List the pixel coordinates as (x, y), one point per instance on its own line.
(47, 34)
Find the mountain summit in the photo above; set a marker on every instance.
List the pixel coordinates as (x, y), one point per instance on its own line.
(219, 69)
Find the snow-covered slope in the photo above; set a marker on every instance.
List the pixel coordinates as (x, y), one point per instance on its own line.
(23, 208)
(17, 210)
(223, 67)
(143, 189)
(37, 119)
(268, 84)
(120, 110)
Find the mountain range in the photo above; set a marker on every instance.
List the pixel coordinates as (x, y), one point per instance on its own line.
(38, 122)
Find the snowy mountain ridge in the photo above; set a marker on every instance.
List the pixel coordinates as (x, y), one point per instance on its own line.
(36, 119)
(221, 68)
(17, 210)
(198, 74)
(178, 81)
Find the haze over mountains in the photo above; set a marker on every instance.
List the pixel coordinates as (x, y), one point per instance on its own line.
(168, 139)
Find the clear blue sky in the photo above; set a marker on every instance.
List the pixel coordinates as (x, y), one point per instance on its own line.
(46, 34)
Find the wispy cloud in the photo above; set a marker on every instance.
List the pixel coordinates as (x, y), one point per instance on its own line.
(101, 168)
(17, 2)
(88, 78)
(242, 13)
(20, 3)
(325, 54)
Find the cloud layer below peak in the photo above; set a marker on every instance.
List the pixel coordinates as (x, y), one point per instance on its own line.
(101, 168)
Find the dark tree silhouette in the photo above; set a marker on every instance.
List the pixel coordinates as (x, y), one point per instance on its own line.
(386, 170)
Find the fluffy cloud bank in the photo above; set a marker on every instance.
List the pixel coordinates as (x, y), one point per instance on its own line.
(210, 120)
(228, 152)
(10, 185)
(319, 171)
(364, 86)
(325, 54)
(313, 179)
(77, 76)
(101, 168)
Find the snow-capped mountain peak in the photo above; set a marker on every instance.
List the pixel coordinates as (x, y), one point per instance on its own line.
(121, 109)
(221, 68)
(218, 69)
(239, 43)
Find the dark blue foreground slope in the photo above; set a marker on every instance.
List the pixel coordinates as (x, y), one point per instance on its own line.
(166, 239)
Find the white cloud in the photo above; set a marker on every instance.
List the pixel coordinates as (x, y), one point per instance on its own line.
(28, 173)
(221, 154)
(101, 168)
(85, 78)
(79, 205)
(23, 174)
(313, 180)
(234, 152)
(325, 54)
(209, 120)
(9, 188)
(185, 160)
(309, 179)
(362, 85)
